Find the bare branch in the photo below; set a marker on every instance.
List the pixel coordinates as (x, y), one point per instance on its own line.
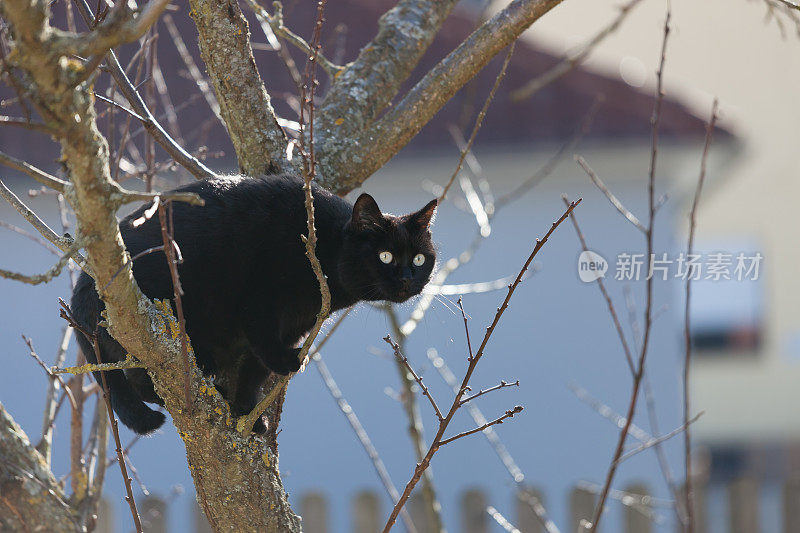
(501, 520)
(508, 414)
(367, 85)
(118, 28)
(52, 375)
(473, 361)
(687, 439)
(275, 23)
(39, 175)
(478, 122)
(191, 66)
(416, 429)
(553, 161)
(54, 271)
(624, 211)
(501, 385)
(128, 362)
(224, 38)
(178, 153)
(683, 428)
(51, 399)
(28, 235)
(62, 243)
(403, 359)
(602, 286)
(648, 312)
(355, 424)
(25, 123)
(346, 167)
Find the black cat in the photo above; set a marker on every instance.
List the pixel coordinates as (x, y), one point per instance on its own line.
(249, 290)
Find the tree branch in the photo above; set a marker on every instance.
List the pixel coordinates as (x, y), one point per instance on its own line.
(30, 496)
(363, 90)
(119, 27)
(346, 166)
(153, 127)
(224, 38)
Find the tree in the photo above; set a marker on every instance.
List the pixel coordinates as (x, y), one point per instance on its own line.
(354, 133)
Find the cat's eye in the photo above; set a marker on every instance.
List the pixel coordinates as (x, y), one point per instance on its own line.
(419, 260)
(385, 257)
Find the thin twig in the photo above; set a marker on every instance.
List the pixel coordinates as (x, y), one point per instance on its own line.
(62, 243)
(276, 23)
(501, 385)
(687, 439)
(683, 428)
(52, 375)
(28, 235)
(437, 441)
(648, 313)
(508, 414)
(416, 429)
(128, 362)
(191, 66)
(53, 272)
(25, 123)
(170, 246)
(501, 520)
(52, 400)
(39, 175)
(355, 424)
(404, 360)
(624, 211)
(611, 309)
(479, 121)
(66, 313)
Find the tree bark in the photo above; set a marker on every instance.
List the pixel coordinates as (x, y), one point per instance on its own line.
(30, 497)
(224, 38)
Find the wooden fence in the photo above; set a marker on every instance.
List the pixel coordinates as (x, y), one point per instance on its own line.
(640, 512)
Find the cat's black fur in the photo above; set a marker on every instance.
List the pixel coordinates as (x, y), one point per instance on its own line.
(249, 290)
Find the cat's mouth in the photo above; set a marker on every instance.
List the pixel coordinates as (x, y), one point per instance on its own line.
(401, 295)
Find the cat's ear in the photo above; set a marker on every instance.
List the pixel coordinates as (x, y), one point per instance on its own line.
(366, 213)
(424, 216)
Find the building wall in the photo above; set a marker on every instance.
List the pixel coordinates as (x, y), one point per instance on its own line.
(757, 80)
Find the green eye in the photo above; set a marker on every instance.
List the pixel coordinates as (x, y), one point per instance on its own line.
(419, 260)
(385, 257)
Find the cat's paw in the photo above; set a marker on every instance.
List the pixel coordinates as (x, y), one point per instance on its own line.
(287, 363)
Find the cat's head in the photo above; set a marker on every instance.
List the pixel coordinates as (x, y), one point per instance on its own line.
(387, 257)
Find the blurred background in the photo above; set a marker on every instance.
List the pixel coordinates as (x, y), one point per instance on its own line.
(557, 337)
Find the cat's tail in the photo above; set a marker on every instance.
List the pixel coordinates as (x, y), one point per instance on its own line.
(125, 401)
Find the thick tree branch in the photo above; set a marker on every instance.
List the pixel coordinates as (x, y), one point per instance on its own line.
(30, 497)
(368, 84)
(224, 38)
(347, 166)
